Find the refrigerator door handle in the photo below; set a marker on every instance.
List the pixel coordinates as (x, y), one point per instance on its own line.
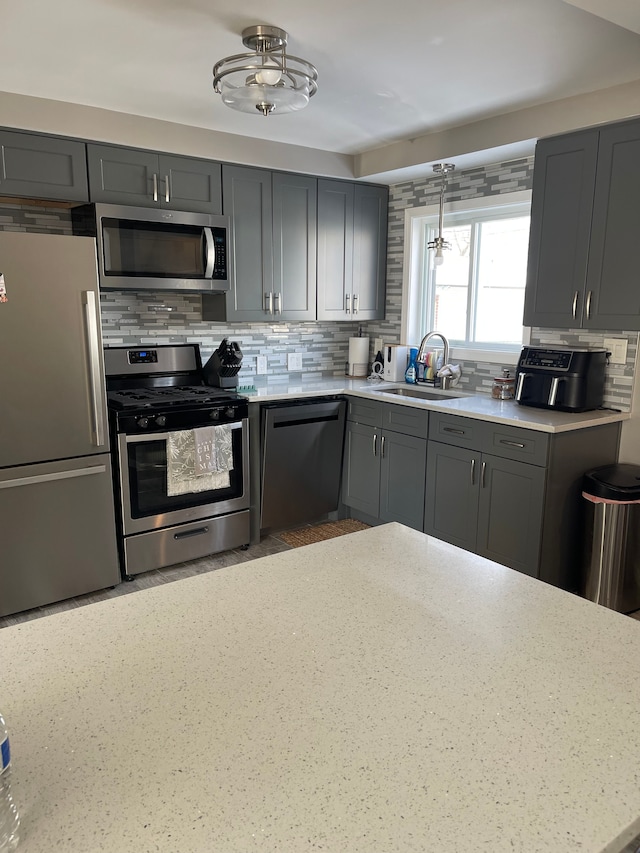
(95, 375)
(48, 478)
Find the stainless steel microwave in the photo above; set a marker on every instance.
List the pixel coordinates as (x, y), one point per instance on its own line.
(144, 249)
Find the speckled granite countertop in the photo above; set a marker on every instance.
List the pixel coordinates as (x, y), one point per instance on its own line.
(378, 692)
(479, 406)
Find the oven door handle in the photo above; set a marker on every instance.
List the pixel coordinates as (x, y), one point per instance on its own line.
(161, 436)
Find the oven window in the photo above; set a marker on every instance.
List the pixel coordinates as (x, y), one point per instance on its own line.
(153, 249)
(147, 462)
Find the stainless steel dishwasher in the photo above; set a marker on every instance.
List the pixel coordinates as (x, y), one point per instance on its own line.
(301, 461)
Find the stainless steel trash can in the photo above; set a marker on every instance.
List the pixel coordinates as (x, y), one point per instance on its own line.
(612, 531)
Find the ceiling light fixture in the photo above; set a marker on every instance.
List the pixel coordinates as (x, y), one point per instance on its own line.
(440, 243)
(267, 80)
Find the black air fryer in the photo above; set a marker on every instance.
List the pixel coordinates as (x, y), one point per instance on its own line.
(224, 365)
(569, 380)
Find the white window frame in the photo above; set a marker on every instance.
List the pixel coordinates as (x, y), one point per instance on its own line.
(413, 272)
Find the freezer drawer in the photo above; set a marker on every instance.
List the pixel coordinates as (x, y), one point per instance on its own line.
(58, 532)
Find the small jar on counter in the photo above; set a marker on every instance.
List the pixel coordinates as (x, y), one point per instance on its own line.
(503, 386)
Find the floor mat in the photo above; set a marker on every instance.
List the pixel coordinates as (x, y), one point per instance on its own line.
(319, 532)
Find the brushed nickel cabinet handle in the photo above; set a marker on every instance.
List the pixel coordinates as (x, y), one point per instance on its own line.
(575, 305)
(473, 472)
(588, 305)
(382, 448)
(483, 474)
(347, 301)
(512, 443)
(155, 187)
(375, 444)
(277, 306)
(454, 431)
(166, 188)
(355, 303)
(268, 303)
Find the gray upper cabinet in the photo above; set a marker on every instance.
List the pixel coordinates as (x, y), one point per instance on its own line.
(147, 179)
(352, 250)
(274, 247)
(583, 247)
(43, 167)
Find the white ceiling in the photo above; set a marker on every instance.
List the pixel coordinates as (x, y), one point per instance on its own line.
(388, 72)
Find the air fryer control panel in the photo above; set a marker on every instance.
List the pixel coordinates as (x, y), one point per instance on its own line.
(546, 358)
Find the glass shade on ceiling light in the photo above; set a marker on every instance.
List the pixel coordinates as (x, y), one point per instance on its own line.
(268, 80)
(439, 243)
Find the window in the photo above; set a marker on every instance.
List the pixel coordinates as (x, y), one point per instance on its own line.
(476, 296)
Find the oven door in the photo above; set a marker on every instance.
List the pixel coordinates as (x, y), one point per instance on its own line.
(145, 503)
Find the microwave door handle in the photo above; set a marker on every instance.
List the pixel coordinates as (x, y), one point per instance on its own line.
(210, 252)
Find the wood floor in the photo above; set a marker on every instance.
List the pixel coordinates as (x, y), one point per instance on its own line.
(268, 545)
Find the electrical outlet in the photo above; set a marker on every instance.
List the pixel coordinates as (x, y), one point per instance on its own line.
(618, 349)
(294, 361)
(261, 364)
(377, 346)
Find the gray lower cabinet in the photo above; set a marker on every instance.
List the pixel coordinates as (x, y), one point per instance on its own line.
(513, 495)
(352, 250)
(274, 247)
(583, 247)
(148, 179)
(385, 462)
(43, 167)
(485, 504)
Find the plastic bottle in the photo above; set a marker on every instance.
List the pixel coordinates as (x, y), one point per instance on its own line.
(410, 374)
(9, 818)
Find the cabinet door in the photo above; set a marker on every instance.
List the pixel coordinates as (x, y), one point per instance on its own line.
(42, 167)
(294, 246)
(369, 252)
(190, 184)
(123, 176)
(247, 200)
(335, 250)
(614, 255)
(361, 468)
(510, 513)
(451, 502)
(561, 207)
(403, 463)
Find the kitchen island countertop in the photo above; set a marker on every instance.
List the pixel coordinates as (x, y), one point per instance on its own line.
(378, 692)
(478, 406)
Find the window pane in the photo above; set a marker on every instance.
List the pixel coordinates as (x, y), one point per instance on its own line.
(502, 270)
(452, 284)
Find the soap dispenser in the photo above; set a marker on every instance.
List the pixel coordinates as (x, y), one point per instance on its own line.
(411, 374)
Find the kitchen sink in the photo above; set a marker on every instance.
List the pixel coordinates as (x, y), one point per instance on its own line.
(420, 393)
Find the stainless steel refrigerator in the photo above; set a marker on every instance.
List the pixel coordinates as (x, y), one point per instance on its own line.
(57, 527)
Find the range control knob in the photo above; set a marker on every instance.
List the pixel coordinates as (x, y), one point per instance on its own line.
(214, 414)
(230, 412)
(143, 422)
(161, 420)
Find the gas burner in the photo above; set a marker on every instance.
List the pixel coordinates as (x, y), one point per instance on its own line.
(151, 398)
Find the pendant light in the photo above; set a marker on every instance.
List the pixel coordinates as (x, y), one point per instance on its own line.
(267, 81)
(440, 243)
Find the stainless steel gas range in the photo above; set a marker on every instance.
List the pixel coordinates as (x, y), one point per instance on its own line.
(180, 458)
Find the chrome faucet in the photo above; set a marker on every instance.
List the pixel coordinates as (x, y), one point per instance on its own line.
(445, 353)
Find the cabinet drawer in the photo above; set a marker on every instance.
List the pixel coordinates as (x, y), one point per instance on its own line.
(452, 429)
(523, 445)
(406, 420)
(368, 412)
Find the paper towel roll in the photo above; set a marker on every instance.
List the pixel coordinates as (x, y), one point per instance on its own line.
(358, 356)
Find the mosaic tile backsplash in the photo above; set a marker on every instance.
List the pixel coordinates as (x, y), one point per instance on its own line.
(147, 318)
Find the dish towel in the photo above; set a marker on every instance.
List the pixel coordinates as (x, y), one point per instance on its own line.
(199, 460)
(452, 370)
